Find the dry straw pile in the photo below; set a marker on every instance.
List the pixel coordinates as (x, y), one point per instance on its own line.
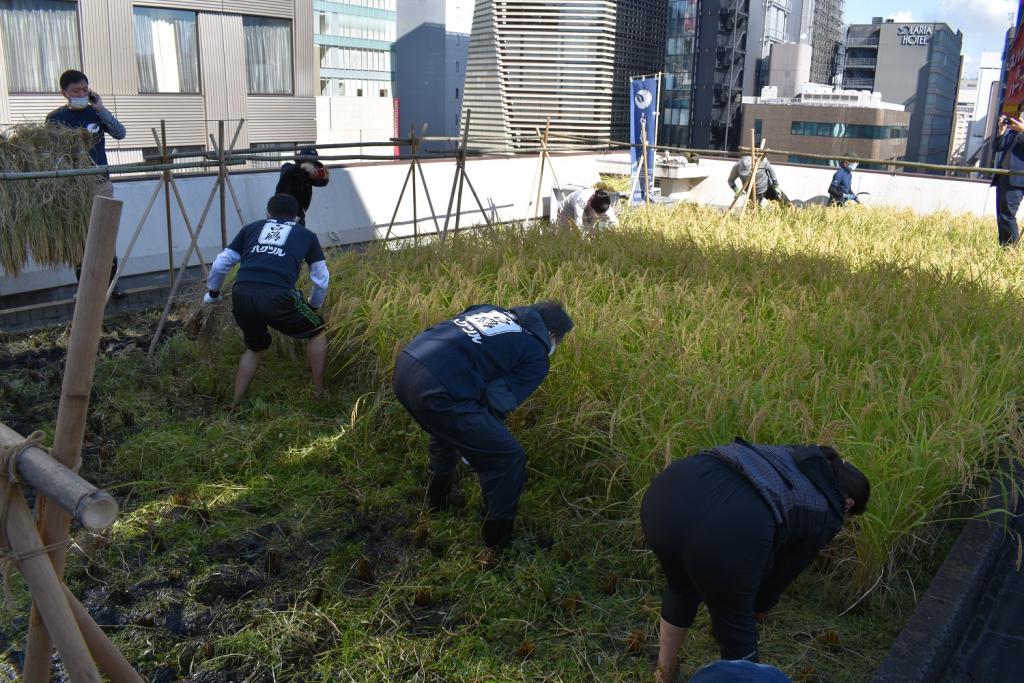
(44, 220)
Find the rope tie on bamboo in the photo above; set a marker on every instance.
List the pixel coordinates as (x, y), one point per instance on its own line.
(9, 468)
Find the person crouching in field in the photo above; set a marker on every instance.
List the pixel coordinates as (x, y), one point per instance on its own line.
(460, 379)
(585, 208)
(732, 526)
(271, 253)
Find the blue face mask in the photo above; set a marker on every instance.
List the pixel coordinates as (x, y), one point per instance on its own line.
(78, 103)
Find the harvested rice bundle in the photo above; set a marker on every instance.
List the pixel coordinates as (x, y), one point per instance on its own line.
(46, 219)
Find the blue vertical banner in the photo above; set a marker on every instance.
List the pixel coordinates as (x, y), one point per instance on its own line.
(643, 120)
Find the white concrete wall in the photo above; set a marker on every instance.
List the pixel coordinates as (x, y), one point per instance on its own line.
(356, 206)
(924, 194)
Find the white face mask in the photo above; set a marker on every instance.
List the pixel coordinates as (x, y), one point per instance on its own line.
(78, 103)
(551, 351)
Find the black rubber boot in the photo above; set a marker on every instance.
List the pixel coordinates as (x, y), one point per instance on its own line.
(498, 533)
(438, 490)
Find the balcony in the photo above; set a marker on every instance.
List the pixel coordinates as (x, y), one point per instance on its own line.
(863, 41)
(861, 62)
(859, 83)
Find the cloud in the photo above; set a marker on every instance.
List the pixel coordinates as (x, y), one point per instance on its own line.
(904, 17)
(978, 17)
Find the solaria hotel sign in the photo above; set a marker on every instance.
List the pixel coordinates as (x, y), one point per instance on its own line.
(914, 34)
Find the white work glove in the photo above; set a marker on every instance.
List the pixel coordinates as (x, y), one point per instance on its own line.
(209, 298)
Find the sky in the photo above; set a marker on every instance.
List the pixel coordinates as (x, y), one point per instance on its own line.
(983, 22)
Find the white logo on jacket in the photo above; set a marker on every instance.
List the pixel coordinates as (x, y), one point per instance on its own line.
(488, 324)
(275, 234)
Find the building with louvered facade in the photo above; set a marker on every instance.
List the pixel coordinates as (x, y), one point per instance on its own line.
(567, 60)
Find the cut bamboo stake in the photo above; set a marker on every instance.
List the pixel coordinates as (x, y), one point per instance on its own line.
(51, 612)
(94, 509)
(86, 327)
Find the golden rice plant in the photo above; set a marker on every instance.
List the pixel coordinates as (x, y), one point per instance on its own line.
(44, 220)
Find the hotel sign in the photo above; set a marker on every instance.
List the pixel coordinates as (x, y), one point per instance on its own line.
(914, 34)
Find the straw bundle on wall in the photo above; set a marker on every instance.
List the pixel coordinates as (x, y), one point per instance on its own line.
(44, 220)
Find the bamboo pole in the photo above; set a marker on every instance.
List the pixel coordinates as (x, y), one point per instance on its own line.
(135, 236)
(753, 175)
(104, 653)
(86, 327)
(167, 202)
(184, 211)
(51, 614)
(193, 246)
(111, 170)
(222, 173)
(543, 162)
(93, 508)
(401, 195)
(460, 156)
(412, 169)
(430, 201)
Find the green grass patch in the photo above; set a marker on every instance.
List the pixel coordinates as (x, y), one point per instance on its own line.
(288, 539)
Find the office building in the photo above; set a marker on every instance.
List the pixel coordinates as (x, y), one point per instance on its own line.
(430, 54)
(989, 68)
(815, 23)
(183, 62)
(822, 120)
(823, 26)
(706, 49)
(966, 100)
(914, 64)
(567, 60)
(354, 42)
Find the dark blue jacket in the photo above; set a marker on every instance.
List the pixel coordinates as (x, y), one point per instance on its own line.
(498, 356)
(803, 494)
(843, 179)
(1013, 144)
(95, 121)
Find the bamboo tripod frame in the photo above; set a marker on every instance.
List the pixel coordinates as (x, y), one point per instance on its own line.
(223, 180)
(543, 163)
(39, 553)
(414, 141)
(749, 189)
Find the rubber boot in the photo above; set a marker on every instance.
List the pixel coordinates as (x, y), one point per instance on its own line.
(498, 533)
(438, 488)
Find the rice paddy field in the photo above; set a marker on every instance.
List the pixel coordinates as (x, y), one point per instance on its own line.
(286, 541)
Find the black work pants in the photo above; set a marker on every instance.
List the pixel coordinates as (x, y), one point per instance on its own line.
(463, 428)
(713, 535)
(1007, 202)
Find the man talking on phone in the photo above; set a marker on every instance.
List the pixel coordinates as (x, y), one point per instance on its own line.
(85, 110)
(1008, 146)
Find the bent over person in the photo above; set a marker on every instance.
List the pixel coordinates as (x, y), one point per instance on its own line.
(271, 253)
(585, 208)
(766, 183)
(298, 179)
(460, 379)
(732, 526)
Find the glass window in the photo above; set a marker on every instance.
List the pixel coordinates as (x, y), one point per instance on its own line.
(268, 55)
(40, 43)
(166, 50)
